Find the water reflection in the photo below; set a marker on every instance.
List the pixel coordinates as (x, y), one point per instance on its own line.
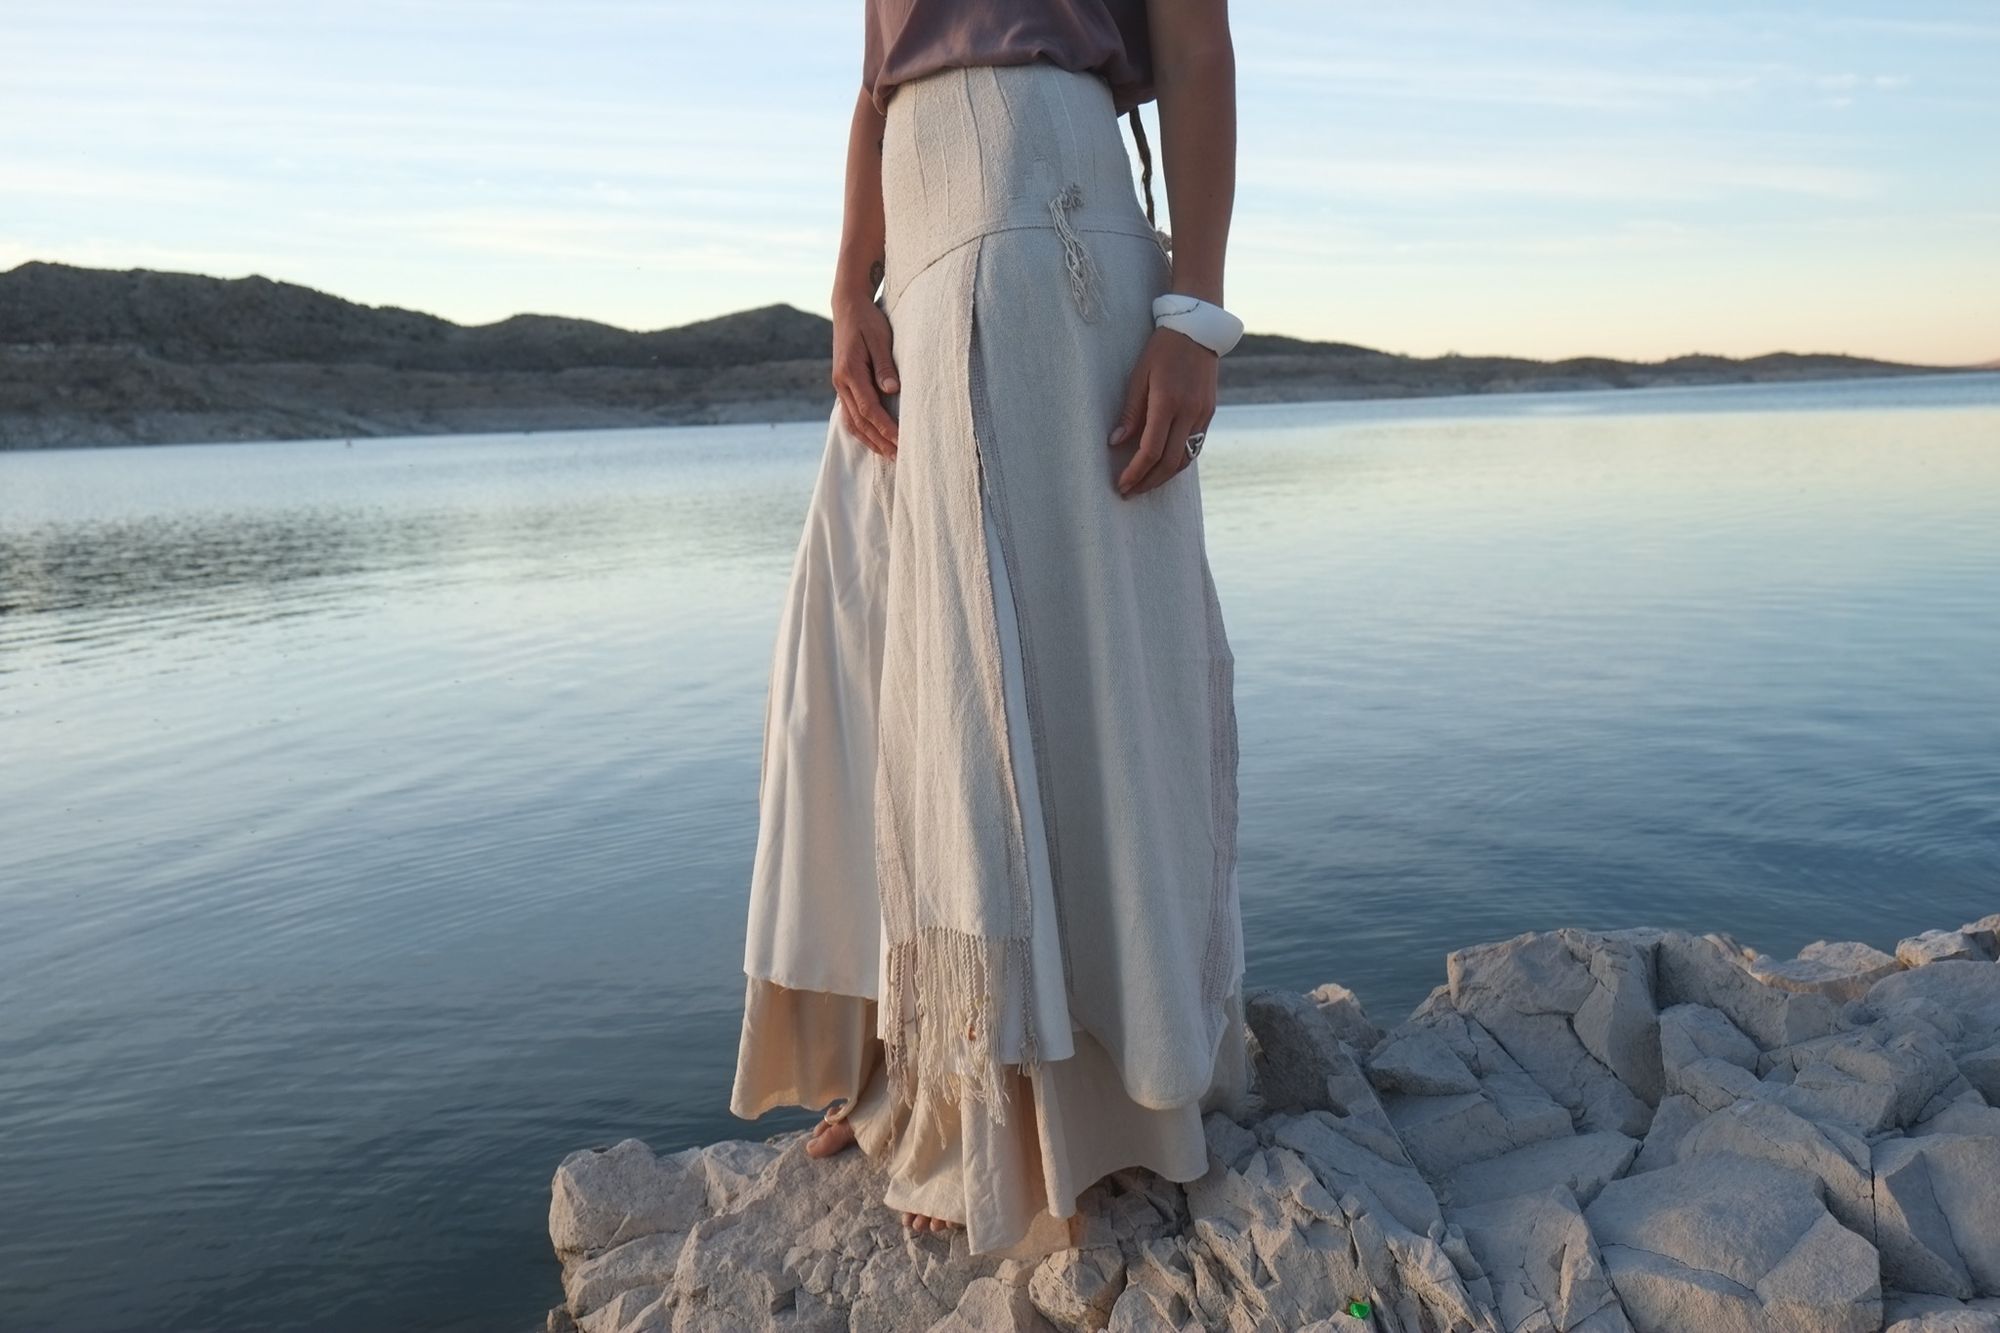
(374, 821)
(89, 568)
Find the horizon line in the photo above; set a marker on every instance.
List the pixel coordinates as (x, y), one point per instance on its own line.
(1990, 364)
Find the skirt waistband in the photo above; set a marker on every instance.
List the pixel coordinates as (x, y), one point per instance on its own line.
(969, 150)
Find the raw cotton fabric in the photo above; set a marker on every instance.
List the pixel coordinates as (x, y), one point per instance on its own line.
(918, 834)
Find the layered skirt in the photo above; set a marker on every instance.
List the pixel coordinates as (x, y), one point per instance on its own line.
(993, 907)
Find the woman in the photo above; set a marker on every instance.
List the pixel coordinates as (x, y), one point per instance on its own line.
(993, 909)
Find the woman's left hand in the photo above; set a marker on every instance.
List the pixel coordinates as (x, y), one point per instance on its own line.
(1170, 396)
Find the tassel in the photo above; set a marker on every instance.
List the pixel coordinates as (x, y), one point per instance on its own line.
(1075, 257)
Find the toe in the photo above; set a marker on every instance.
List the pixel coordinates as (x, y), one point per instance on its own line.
(828, 1138)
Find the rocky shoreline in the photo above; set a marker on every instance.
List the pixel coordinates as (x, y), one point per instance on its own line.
(96, 358)
(1641, 1129)
(72, 398)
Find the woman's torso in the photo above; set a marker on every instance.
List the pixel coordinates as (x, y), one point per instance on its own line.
(906, 39)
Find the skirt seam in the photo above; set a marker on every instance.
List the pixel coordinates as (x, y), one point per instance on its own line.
(987, 228)
(1030, 678)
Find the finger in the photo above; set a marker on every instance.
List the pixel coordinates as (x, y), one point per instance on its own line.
(856, 398)
(1173, 457)
(880, 382)
(873, 411)
(1176, 460)
(857, 424)
(1152, 445)
(883, 359)
(863, 431)
(1132, 411)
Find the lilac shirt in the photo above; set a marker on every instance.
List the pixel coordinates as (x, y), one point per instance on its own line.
(907, 39)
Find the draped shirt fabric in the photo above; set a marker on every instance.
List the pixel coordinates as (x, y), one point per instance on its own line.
(906, 39)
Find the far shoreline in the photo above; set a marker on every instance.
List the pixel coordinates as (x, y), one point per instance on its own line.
(154, 430)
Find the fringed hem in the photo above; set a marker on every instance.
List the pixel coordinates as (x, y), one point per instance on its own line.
(951, 986)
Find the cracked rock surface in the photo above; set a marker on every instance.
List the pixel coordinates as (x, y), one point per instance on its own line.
(1635, 1131)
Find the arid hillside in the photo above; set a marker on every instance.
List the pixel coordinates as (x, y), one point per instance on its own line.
(103, 357)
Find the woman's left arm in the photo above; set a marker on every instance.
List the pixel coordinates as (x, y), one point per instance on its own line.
(1172, 390)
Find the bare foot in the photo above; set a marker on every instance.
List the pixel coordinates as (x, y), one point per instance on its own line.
(829, 1137)
(918, 1222)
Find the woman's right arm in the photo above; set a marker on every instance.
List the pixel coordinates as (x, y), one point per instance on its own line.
(863, 366)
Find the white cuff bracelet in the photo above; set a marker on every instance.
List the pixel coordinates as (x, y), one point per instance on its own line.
(1204, 321)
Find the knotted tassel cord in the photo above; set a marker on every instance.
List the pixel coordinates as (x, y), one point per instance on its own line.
(1075, 258)
(953, 980)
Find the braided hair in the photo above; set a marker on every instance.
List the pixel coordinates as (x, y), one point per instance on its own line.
(1145, 161)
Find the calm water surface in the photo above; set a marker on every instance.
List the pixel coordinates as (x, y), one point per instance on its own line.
(375, 820)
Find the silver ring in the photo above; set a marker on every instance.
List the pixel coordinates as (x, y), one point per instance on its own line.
(1194, 443)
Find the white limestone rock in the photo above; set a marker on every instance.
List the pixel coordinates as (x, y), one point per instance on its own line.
(1937, 946)
(1969, 1113)
(1510, 1109)
(646, 1263)
(628, 1312)
(1575, 1010)
(1838, 1158)
(1981, 1068)
(1984, 932)
(1705, 1057)
(989, 1305)
(1957, 1001)
(1340, 1165)
(1545, 1268)
(603, 1197)
(1581, 1163)
(1869, 1083)
(1342, 1008)
(1303, 1064)
(1640, 1129)
(1712, 970)
(1228, 1142)
(1723, 1241)
(1075, 1289)
(1419, 1063)
(1913, 1312)
(1673, 1119)
(1840, 971)
(1128, 1208)
(1937, 1214)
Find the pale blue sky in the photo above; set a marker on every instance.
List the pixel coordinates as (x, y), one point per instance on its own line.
(1507, 176)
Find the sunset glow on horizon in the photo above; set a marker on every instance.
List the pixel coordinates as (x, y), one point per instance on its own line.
(1518, 177)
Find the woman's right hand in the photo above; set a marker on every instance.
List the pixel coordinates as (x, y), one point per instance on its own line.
(864, 370)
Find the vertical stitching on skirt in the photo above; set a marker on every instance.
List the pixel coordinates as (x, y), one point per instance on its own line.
(1024, 898)
(1218, 958)
(956, 980)
(1030, 679)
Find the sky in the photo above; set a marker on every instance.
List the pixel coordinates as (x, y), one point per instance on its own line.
(1543, 178)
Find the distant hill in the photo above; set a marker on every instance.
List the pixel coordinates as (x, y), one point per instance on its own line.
(198, 320)
(96, 356)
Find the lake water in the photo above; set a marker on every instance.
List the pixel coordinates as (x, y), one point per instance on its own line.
(375, 820)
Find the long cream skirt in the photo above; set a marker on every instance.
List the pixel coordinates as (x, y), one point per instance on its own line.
(1127, 987)
(1075, 1123)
